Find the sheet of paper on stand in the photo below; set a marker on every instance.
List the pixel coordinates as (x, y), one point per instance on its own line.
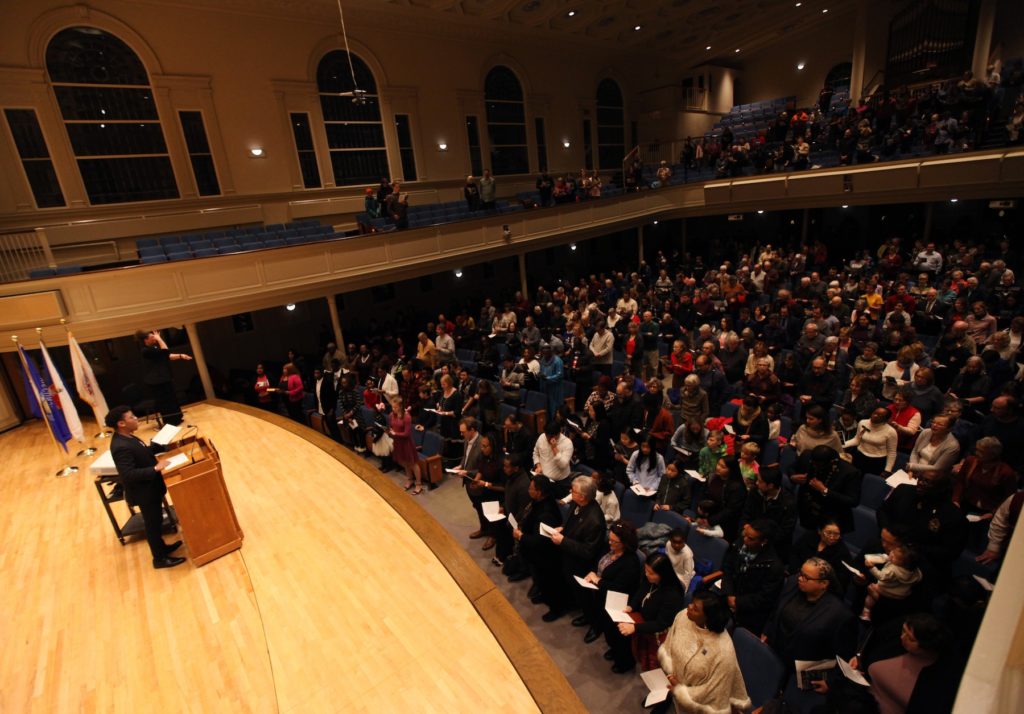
(696, 475)
(490, 509)
(546, 530)
(987, 584)
(584, 583)
(166, 435)
(808, 671)
(513, 522)
(898, 478)
(657, 683)
(852, 674)
(104, 465)
(174, 462)
(641, 490)
(615, 605)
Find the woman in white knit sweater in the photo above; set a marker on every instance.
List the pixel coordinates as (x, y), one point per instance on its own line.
(874, 446)
(699, 659)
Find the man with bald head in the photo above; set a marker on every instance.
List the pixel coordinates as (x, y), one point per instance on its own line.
(817, 386)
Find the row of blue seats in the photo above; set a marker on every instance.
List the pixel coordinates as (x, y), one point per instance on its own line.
(39, 273)
(185, 251)
(300, 225)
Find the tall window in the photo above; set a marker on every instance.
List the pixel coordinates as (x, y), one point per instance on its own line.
(105, 98)
(35, 157)
(506, 122)
(199, 153)
(405, 147)
(611, 125)
(476, 162)
(306, 150)
(355, 134)
(542, 144)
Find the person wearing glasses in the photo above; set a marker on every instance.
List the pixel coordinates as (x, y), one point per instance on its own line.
(825, 543)
(810, 622)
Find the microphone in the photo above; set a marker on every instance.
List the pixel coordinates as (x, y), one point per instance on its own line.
(192, 447)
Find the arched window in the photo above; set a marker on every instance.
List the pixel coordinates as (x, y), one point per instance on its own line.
(104, 96)
(506, 122)
(611, 125)
(355, 134)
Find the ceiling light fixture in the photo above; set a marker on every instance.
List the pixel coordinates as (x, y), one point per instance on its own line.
(800, 65)
(571, 13)
(458, 272)
(572, 246)
(825, 11)
(566, 143)
(737, 49)
(846, 205)
(442, 146)
(290, 307)
(799, 4)
(707, 48)
(760, 212)
(953, 200)
(636, 28)
(256, 152)
(655, 223)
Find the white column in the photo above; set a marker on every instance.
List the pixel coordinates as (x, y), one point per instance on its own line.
(522, 274)
(339, 338)
(200, 360)
(639, 245)
(983, 38)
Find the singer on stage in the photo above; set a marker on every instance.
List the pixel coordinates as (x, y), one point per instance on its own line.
(143, 482)
(158, 374)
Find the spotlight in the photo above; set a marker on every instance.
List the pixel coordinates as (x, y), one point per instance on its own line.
(707, 48)
(760, 212)
(442, 146)
(636, 29)
(290, 307)
(566, 143)
(825, 11)
(846, 205)
(953, 200)
(800, 65)
(655, 223)
(256, 152)
(572, 246)
(571, 13)
(458, 272)
(737, 49)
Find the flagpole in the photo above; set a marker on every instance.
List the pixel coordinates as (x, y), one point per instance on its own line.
(89, 450)
(69, 469)
(104, 434)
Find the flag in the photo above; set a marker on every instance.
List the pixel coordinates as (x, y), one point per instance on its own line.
(61, 395)
(85, 382)
(41, 401)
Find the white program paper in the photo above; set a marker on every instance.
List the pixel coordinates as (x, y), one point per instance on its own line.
(852, 674)
(898, 478)
(696, 475)
(615, 605)
(166, 435)
(808, 671)
(546, 530)
(987, 584)
(641, 490)
(176, 461)
(657, 683)
(490, 509)
(851, 568)
(973, 518)
(584, 583)
(513, 522)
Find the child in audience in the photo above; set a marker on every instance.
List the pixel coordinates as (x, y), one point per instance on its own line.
(894, 580)
(680, 555)
(749, 467)
(710, 454)
(606, 497)
(674, 490)
(774, 415)
(705, 510)
(846, 424)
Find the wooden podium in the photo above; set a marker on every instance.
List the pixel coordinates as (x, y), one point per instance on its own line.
(205, 514)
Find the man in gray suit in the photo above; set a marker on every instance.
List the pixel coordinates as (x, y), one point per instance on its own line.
(468, 467)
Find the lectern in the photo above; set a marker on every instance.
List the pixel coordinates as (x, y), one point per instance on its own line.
(202, 503)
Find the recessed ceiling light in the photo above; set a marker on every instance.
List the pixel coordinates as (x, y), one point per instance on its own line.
(655, 223)
(290, 307)
(572, 13)
(799, 4)
(846, 205)
(800, 65)
(572, 246)
(760, 212)
(953, 200)
(708, 47)
(824, 11)
(636, 28)
(737, 49)
(458, 272)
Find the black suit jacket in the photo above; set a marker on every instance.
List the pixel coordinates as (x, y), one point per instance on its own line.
(536, 512)
(939, 529)
(328, 394)
(135, 461)
(622, 575)
(829, 630)
(584, 538)
(843, 494)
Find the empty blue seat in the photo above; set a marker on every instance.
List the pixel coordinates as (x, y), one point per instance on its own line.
(169, 240)
(147, 259)
(150, 250)
(179, 255)
(37, 273)
(273, 243)
(146, 243)
(761, 668)
(204, 252)
(68, 269)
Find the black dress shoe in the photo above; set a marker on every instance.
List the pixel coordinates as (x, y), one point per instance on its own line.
(591, 635)
(172, 547)
(580, 621)
(167, 562)
(618, 669)
(534, 590)
(609, 655)
(552, 615)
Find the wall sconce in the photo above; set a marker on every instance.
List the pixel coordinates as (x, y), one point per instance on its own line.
(566, 143)
(442, 146)
(257, 152)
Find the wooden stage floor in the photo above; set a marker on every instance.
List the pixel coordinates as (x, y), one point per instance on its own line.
(345, 597)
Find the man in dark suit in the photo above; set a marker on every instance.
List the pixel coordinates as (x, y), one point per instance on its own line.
(930, 313)
(810, 623)
(327, 400)
(580, 543)
(469, 465)
(142, 479)
(829, 488)
(770, 501)
(752, 576)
